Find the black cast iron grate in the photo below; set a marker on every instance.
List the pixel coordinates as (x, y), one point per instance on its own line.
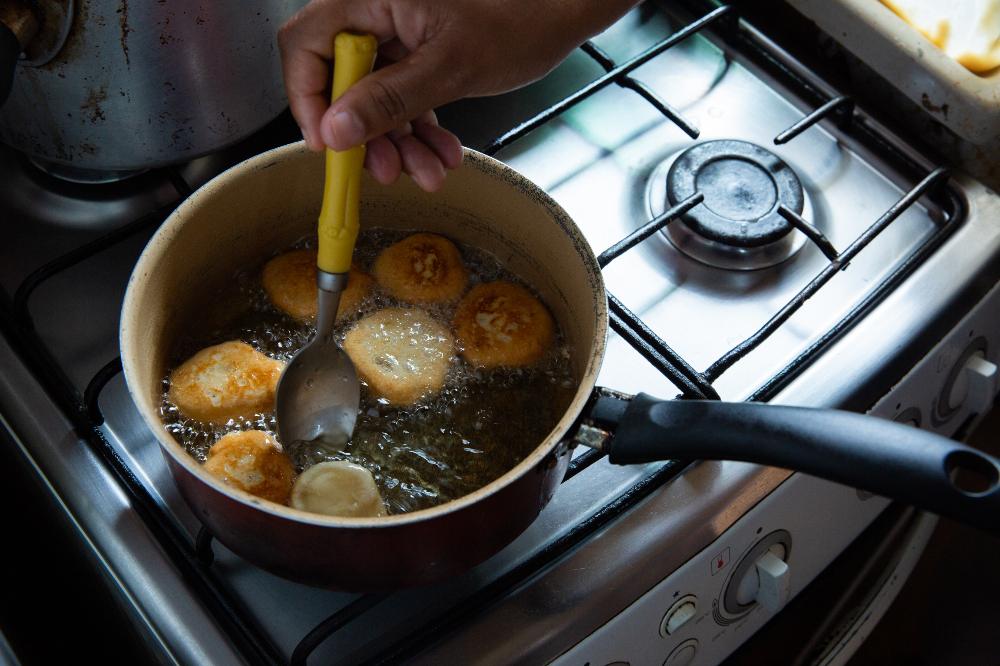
(195, 560)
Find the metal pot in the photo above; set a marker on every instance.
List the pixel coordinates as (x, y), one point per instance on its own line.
(268, 202)
(124, 86)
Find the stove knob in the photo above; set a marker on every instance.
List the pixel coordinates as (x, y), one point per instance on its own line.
(766, 582)
(683, 654)
(974, 386)
(910, 417)
(682, 611)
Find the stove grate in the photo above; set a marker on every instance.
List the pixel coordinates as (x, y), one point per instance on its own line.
(814, 234)
(839, 263)
(617, 75)
(196, 559)
(841, 108)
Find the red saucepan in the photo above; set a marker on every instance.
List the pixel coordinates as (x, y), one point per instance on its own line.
(267, 203)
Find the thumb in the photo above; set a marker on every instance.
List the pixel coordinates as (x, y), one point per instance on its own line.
(387, 99)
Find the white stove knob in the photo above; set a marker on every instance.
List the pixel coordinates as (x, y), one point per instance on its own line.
(682, 611)
(975, 385)
(683, 654)
(774, 578)
(982, 386)
(766, 582)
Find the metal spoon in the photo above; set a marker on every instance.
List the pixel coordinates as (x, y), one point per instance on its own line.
(319, 393)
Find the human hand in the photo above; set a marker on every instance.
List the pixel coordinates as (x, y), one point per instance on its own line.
(438, 51)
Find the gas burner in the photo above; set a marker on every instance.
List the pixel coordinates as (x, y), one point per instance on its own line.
(737, 226)
(74, 174)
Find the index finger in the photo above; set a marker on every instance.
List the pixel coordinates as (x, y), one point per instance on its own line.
(306, 81)
(305, 43)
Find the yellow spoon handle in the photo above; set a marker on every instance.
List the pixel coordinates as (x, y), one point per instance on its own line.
(354, 55)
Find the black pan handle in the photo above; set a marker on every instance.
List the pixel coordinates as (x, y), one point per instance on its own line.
(884, 457)
(10, 50)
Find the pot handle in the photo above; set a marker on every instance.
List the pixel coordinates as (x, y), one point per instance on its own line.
(865, 452)
(10, 50)
(19, 21)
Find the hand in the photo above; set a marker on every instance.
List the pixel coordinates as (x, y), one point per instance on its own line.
(437, 51)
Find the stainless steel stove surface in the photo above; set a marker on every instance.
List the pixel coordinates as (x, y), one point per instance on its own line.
(612, 534)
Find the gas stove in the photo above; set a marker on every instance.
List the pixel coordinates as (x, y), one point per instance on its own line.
(838, 268)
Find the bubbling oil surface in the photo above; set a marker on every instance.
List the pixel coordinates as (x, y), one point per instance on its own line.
(480, 426)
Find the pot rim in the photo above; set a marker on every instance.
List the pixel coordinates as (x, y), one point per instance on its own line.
(129, 335)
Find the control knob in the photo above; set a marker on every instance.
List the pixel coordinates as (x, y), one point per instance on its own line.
(761, 577)
(974, 385)
(766, 582)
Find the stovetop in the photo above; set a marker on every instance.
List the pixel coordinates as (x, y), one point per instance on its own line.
(809, 331)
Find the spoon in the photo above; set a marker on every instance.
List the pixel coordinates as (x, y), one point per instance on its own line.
(319, 393)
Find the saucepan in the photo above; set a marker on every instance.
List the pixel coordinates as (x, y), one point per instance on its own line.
(243, 216)
(106, 86)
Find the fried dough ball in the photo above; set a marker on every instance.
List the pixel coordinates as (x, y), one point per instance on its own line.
(402, 354)
(424, 269)
(290, 282)
(254, 463)
(223, 382)
(501, 323)
(337, 488)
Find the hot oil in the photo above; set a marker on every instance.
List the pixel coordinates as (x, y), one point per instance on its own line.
(480, 426)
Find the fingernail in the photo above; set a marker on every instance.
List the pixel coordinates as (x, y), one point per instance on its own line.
(306, 138)
(420, 181)
(343, 131)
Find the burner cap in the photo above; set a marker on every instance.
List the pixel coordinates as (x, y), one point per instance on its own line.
(743, 186)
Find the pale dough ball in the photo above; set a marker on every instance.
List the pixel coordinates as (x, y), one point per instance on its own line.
(338, 488)
(402, 354)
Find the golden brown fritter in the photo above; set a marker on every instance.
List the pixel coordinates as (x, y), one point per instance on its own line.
(402, 354)
(359, 286)
(501, 323)
(423, 269)
(337, 488)
(223, 382)
(290, 282)
(254, 463)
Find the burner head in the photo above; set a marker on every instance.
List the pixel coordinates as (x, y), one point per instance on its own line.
(74, 174)
(737, 225)
(743, 185)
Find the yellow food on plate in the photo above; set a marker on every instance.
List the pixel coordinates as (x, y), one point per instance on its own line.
(501, 323)
(337, 488)
(967, 30)
(402, 354)
(225, 381)
(423, 269)
(290, 282)
(253, 462)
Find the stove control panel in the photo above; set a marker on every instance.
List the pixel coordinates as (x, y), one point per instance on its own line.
(955, 384)
(718, 599)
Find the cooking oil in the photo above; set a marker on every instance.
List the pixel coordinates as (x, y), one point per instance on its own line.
(453, 442)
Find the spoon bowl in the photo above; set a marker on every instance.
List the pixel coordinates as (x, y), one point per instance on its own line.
(318, 393)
